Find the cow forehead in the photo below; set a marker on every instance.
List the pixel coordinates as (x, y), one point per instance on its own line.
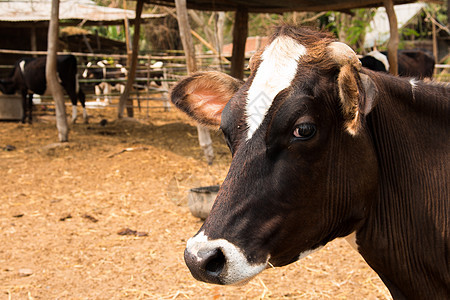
(277, 69)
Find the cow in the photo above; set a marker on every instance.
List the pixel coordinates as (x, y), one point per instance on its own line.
(411, 63)
(28, 78)
(323, 148)
(114, 74)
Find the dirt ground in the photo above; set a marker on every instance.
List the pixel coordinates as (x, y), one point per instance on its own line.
(62, 208)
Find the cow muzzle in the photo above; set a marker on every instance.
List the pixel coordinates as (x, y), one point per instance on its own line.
(219, 261)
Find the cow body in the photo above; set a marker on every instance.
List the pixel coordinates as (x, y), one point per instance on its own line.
(28, 78)
(112, 77)
(323, 148)
(411, 63)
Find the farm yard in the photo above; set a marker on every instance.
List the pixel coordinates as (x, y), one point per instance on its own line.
(88, 220)
(106, 215)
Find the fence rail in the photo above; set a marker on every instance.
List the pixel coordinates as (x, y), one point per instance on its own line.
(149, 92)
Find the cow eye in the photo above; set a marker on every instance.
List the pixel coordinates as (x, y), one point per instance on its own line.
(304, 131)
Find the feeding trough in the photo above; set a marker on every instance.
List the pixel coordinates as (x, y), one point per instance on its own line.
(10, 107)
(201, 199)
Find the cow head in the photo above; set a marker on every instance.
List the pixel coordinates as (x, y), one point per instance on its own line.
(303, 170)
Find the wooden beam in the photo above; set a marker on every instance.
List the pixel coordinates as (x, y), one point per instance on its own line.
(240, 31)
(448, 14)
(394, 38)
(51, 76)
(185, 34)
(134, 56)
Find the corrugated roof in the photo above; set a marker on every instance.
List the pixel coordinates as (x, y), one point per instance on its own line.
(279, 6)
(39, 10)
(379, 31)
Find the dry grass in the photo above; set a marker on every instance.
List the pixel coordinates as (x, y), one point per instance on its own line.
(52, 194)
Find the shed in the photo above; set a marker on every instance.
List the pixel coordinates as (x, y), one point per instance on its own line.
(242, 8)
(24, 24)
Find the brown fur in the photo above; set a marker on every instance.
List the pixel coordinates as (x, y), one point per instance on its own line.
(350, 96)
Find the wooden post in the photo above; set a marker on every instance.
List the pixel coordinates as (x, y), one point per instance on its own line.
(51, 76)
(185, 34)
(394, 39)
(218, 32)
(240, 31)
(204, 136)
(132, 72)
(448, 14)
(435, 42)
(126, 25)
(33, 40)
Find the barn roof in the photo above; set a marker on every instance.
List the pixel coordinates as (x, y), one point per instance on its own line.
(279, 6)
(73, 11)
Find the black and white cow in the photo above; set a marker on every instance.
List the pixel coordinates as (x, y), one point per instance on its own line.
(114, 75)
(411, 63)
(28, 78)
(323, 148)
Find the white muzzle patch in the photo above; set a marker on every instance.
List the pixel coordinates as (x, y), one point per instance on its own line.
(237, 268)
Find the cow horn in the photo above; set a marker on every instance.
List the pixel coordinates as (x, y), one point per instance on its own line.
(343, 55)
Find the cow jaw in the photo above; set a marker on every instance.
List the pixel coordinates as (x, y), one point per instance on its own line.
(219, 261)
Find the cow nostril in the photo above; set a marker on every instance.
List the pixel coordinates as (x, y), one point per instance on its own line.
(215, 263)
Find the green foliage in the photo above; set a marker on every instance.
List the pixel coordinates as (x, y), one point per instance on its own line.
(405, 31)
(350, 27)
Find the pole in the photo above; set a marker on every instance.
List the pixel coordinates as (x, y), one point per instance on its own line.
(240, 31)
(134, 56)
(394, 39)
(50, 74)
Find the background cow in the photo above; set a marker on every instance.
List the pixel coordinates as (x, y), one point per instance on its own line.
(28, 78)
(115, 76)
(323, 148)
(411, 63)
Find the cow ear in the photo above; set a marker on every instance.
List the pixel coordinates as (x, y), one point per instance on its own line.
(203, 96)
(357, 93)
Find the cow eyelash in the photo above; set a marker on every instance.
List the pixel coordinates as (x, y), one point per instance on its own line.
(304, 131)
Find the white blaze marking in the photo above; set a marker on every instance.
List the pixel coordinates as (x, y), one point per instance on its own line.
(275, 73)
(237, 267)
(22, 66)
(381, 57)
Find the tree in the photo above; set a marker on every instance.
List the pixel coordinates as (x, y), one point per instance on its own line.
(51, 76)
